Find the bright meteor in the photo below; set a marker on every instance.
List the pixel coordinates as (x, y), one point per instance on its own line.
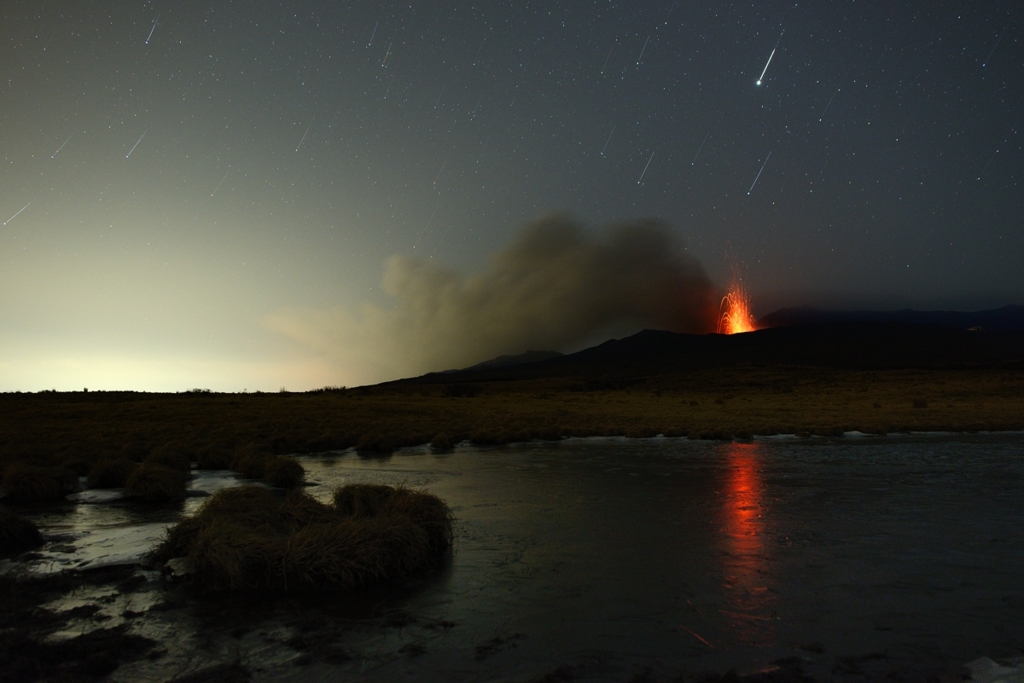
(19, 211)
(761, 77)
(766, 66)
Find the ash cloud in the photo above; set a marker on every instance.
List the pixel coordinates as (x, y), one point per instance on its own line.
(553, 288)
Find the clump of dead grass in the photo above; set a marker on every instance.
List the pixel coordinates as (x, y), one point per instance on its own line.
(26, 483)
(282, 472)
(111, 473)
(249, 537)
(17, 534)
(156, 483)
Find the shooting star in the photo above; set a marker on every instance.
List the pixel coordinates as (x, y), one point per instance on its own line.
(761, 77)
(19, 211)
(52, 156)
(136, 144)
(478, 50)
(829, 103)
(153, 29)
(759, 173)
(990, 160)
(699, 149)
(387, 54)
(306, 133)
(373, 34)
(220, 183)
(609, 56)
(992, 51)
(607, 141)
(443, 164)
(645, 168)
(641, 51)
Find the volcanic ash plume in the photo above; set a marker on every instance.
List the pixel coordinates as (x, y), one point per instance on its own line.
(552, 288)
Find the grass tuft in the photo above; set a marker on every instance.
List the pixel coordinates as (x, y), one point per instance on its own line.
(32, 484)
(214, 457)
(111, 473)
(156, 483)
(172, 456)
(282, 472)
(17, 534)
(250, 461)
(248, 537)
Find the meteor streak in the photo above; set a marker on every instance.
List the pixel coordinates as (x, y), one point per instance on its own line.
(993, 50)
(645, 168)
(607, 141)
(759, 173)
(153, 29)
(220, 183)
(373, 34)
(61, 147)
(766, 66)
(761, 77)
(641, 51)
(19, 211)
(306, 133)
(136, 144)
(829, 103)
(700, 148)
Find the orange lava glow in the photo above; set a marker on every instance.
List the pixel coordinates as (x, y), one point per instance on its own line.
(734, 314)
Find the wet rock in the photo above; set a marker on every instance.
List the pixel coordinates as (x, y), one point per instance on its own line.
(985, 670)
(178, 568)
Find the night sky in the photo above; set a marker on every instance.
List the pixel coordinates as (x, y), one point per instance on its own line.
(182, 181)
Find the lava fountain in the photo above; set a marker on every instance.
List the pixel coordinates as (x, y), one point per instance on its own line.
(734, 314)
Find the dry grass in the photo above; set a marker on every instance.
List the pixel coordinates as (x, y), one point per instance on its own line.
(16, 534)
(283, 472)
(156, 483)
(47, 429)
(171, 455)
(111, 473)
(26, 483)
(248, 537)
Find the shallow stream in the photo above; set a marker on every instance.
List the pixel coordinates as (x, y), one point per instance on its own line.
(615, 556)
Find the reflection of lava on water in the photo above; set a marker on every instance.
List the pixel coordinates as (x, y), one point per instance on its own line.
(748, 600)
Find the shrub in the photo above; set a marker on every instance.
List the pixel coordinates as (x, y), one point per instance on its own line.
(17, 534)
(111, 473)
(32, 484)
(248, 537)
(283, 472)
(156, 483)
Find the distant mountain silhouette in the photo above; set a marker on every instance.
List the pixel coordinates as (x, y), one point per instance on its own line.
(505, 361)
(1005, 318)
(864, 345)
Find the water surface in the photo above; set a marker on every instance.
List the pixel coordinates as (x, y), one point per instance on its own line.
(615, 555)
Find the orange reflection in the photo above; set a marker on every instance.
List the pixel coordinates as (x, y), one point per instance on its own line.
(749, 601)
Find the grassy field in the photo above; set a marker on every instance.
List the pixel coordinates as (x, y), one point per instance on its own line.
(52, 428)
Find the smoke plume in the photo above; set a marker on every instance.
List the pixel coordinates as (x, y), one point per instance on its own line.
(552, 288)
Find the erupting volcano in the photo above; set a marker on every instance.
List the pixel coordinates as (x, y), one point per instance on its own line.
(734, 312)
